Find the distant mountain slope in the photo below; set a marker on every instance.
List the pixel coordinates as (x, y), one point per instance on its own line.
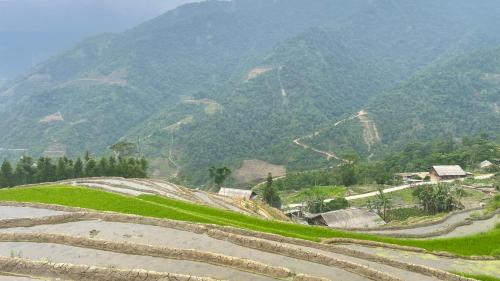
(456, 98)
(222, 82)
(110, 83)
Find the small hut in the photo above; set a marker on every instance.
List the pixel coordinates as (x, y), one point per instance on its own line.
(348, 218)
(450, 172)
(237, 193)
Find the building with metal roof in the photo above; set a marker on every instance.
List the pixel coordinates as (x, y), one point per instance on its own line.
(237, 193)
(348, 218)
(447, 172)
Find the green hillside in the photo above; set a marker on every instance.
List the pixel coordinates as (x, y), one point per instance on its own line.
(220, 82)
(456, 98)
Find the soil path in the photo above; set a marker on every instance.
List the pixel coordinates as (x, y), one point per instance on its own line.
(491, 267)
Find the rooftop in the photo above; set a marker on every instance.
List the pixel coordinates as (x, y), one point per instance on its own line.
(351, 218)
(450, 170)
(237, 193)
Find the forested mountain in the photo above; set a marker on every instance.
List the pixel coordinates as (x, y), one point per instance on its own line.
(220, 82)
(456, 98)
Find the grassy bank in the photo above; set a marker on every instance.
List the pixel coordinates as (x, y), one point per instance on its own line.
(159, 207)
(478, 277)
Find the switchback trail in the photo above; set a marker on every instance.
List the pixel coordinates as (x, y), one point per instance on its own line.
(328, 155)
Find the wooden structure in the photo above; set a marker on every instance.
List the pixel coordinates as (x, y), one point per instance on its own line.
(348, 218)
(237, 193)
(450, 172)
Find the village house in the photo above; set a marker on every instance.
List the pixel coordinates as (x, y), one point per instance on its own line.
(237, 193)
(348, 218)
(447, 172)
(485, 165)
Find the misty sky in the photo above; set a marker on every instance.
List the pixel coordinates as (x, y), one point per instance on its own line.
(33, 30)
(48, 15)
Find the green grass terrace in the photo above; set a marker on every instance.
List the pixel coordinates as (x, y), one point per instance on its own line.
(484, 244)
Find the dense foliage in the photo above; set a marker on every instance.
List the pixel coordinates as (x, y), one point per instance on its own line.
(436, 199)
(270, 193)
(29, 171)
(417, 156)
(180, 87)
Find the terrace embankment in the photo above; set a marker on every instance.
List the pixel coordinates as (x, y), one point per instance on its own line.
(123, 240)
(462, 223)
(136, 187)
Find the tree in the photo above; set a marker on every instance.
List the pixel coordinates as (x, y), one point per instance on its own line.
(63, 169)
(124, 149)
(381, 204)
(460, 193)
(219, 175)
(6, 175)
(348, 174)
(102, 167)
(90, 169)
(270, 193)
(435, 199)
(25, 171)
(78, 168)
(112, 168)
(337, 204)
(45, 170)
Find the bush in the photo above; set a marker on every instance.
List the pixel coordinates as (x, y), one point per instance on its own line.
(337, 204)
(404, 213)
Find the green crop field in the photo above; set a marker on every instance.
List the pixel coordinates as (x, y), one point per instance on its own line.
(478, 277)
(160, 207)
(315, 192)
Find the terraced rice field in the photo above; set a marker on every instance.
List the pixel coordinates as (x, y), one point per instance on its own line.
(459, 224)
(155, 187)
(54, 242)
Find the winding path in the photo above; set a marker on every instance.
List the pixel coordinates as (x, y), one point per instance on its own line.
(328, 155)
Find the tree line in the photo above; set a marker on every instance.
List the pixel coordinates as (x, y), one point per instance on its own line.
(29, 171)
(414, 157)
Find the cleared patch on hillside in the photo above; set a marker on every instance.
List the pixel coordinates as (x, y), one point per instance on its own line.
(39, 77)
(211, 107)
(115, 78)
(254, 170)
(55, 150)
(256, 72)
(176, 126)
(370, 131)
(56, 117)
(492, 77)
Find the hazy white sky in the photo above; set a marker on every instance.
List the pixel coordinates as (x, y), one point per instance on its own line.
(33, 30)
(47, 15)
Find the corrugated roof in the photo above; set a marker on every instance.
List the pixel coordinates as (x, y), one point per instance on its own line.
(236, 193)
(352, 218)
(451, 170)
(485, 164)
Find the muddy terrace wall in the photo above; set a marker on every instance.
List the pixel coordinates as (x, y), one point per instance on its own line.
(246, 238)
(444, 231)
(401, 227)
(87, 273)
